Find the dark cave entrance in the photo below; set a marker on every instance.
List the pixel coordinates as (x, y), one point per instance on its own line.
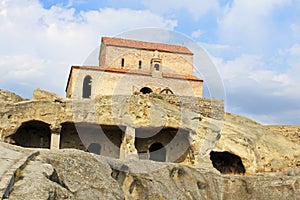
(164, 144)
(69, 137)
(227, 163)
(157, 152)
(34, 134)
(146, 90)
(95, 138)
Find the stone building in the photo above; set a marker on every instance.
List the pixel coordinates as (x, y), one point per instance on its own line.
(129, 67)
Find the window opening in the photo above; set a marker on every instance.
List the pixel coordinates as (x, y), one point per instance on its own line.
(122, 62)
(146, 90)
(87, 87)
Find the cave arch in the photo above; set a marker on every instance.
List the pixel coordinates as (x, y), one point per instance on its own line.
(157, 152)
(227, 163)
(99, 139)
(34, 134)
(174, 141)
(69, 137)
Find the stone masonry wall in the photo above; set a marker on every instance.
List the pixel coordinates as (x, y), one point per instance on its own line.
(172, 63)
(108, 83)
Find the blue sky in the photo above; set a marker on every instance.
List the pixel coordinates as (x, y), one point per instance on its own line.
(255, 45)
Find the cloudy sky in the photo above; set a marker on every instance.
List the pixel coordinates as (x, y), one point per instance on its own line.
(255, 45)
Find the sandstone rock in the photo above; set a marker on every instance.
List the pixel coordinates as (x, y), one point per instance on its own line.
(73, 174)
(289, 131)
(7, 97)
(259, 148)
(66, 174)
(42, 95)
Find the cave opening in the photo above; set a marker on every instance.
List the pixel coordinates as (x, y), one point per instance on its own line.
(34, 134)
(227, 163)
(164, 144)
(95, 138)
(69, 137)
(157, 152)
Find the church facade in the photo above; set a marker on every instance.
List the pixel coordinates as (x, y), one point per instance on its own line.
(129, 67)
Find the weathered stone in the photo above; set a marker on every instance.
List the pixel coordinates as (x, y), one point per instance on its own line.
(73, 174)
(43, 95)
(289, 131)
(68, 174)
(7, 97)
(259, 148)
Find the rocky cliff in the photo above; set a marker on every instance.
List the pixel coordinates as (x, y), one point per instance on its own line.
(289, 131)
(255, 161)
(73, 174)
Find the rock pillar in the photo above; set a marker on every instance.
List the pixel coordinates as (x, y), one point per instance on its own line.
(127, 148)
(55, 140)
(55, 136)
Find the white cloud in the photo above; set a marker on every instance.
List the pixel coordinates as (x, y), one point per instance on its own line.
(294, 50)
(255, 89)
(195, 8)
(296, 29)
(75, 2)
(39, 45)
(250, 23)
(250, 72)
(197, 33)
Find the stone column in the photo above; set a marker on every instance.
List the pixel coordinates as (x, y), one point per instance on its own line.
(55, 136)
(127, 148)
(55, 140)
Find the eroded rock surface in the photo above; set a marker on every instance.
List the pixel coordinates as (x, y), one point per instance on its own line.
(7, 97)
(43, 95)
(66, 174)
(289, 131)
(259, 148)
(73, 174)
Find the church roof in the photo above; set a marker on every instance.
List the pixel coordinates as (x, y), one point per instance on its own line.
(145, 45)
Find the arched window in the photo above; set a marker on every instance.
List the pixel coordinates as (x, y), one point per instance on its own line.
(87, 87)
(166, 91)
(156, 67)
(146, 90)
(157, 152)
(140, 64)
